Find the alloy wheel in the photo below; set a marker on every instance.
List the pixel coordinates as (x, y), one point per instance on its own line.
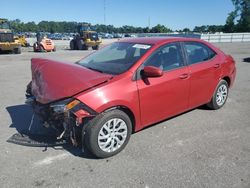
(221, 95)
(112, 135)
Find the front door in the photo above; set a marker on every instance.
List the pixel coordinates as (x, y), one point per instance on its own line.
(167, 95)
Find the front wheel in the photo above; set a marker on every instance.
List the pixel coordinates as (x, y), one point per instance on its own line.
(72, 45)
(35, 47)
(95, 47)
(85, 47)
(108, 133)
(220, 96)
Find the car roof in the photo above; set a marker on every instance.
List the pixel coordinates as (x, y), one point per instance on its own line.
(157, 40)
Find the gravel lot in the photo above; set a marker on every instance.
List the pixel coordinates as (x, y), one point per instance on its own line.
(200, 148)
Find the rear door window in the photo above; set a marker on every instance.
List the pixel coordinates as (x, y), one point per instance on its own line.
(198, 52)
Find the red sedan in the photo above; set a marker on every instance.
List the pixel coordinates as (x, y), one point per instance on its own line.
(131, 84)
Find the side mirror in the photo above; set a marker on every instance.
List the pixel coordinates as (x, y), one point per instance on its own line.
(151, 71)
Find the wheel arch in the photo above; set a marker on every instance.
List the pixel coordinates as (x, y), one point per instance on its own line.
(228, 80)
(127, 111)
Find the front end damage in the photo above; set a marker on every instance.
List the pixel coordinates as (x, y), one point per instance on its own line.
(68, 116)
(51, 91)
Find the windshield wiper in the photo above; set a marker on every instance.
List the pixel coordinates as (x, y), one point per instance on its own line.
(91, 68)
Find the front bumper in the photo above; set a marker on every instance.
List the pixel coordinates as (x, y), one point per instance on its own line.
(69, 125)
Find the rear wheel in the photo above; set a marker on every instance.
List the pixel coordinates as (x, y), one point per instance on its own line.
(108, 133)
(42, 49)
(80, 44)
(54, 49)
(17, 50)
(220, 96)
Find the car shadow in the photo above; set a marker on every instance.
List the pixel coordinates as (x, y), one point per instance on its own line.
(7, 53)
(246, 60)
(26, 124)
(22, 121)
(203, 107)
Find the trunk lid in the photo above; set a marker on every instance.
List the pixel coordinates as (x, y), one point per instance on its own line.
(54, 80)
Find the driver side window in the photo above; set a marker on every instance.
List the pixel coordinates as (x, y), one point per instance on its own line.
(166, 58)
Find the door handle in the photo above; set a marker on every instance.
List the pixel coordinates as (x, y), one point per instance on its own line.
(184, 76)
(217, 65)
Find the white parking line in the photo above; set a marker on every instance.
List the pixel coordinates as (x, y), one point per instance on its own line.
(49, 160)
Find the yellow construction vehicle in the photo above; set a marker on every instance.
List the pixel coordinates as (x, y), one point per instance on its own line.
(22, 40)
(85, 38)
(7, 41)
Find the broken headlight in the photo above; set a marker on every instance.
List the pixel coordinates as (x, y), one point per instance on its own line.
(64, 105)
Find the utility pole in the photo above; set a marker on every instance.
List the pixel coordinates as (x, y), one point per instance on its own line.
(149, 22)
(104, 13)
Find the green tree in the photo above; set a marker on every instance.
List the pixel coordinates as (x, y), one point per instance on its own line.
(215, 28)
(71, 27)
(242, 11)
(43, 26)
(229, 27)
(201, 29)
(30, 26)
(186, 30)
(16, 25)
(146, 30)
(160, 29)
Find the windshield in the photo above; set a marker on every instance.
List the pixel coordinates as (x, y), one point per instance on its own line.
(6, 37)
(4, 25)
(115, 58)
(93, 36)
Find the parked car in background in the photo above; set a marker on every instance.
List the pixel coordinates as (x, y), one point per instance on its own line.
(66, 37)
(127, 35)
(129, 85)
(118, 35)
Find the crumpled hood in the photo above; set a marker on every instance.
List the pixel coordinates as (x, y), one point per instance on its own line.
(53, 80)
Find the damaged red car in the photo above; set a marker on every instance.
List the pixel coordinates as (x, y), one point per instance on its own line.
(126, 86)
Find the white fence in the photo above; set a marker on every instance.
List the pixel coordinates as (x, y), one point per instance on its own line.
(226, 37)
(221, 37)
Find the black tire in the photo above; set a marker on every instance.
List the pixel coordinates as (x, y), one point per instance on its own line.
(35, 47)
(72, 45)
(28, 89)
(80, 44)
(95, 47)
(94, 126)
(17, 50)
(42, 49)
(54, 50)
(85, 47)
(214, 104)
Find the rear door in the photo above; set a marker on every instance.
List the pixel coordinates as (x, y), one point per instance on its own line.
(167, 95)
(205, 70)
